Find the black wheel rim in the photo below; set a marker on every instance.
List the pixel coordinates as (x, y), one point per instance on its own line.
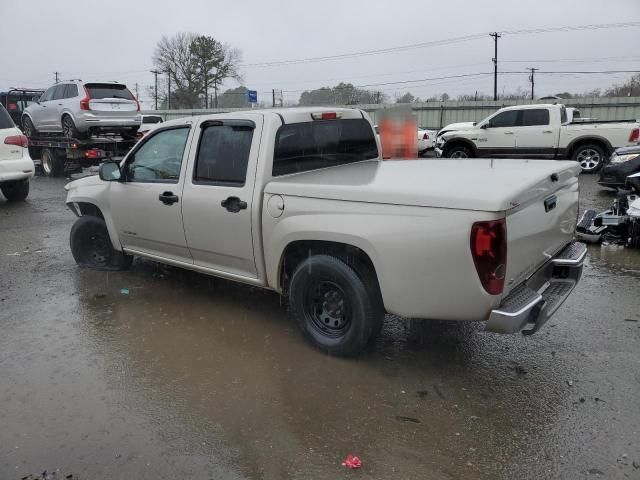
(67, 128)
(98, 249)
(27, 128)
(327, 308)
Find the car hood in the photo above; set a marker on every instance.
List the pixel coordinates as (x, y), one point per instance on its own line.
(628, 150)
(457, 126)
(84, 182)
(465, 184)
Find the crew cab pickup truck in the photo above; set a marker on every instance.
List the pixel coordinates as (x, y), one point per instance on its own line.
(298, 201)
(538, 131)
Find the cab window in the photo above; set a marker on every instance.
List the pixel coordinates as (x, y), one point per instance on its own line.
(48, 95)
(535, 116)
(159, 158)
(504, 119)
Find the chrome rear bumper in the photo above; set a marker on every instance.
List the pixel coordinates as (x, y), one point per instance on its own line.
(536, 300)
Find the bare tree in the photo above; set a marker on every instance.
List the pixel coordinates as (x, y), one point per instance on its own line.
(173, 57)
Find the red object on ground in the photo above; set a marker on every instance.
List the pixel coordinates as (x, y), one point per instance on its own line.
(352, 462)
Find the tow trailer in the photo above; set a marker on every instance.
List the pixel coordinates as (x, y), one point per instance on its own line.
(57, 156)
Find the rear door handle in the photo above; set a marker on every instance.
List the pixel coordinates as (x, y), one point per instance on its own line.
(168, 198)
(234, 204)
(547, 131)
(508, 133)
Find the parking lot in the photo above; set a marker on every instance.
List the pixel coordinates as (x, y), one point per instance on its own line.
(164, 373)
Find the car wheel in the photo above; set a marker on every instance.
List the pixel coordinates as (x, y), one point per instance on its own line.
(590, 157)
(28, 128)
(334, 308)
(52, 163)
(15, 191)
(91, 246)
(459, 151)
(69, 129)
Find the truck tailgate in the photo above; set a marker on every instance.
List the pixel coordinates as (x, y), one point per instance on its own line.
(541, 225)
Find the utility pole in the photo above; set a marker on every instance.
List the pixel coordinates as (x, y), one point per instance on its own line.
(531, 79)
(169, 92)
(495, 36)
(155, 92)
(56, 74)
(273, 96)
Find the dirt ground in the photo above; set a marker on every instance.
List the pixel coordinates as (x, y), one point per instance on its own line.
(188, 376)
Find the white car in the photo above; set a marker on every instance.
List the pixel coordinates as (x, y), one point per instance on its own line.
(297, 201)
(149, 122)
(426, 140)
(16, 166)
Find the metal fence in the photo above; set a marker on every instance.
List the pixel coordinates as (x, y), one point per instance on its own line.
(436, 115)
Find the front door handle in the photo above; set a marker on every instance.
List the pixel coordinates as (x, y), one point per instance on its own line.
(234, 204)
(168, 198)
(508, 133)
(547, 131)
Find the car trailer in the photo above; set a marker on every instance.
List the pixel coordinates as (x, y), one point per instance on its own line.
(58, 156)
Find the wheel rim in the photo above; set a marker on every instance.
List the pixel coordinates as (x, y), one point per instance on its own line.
(46, 163)
(589, 158)
(327, 307)
(67, 127)
(459, 154)
(98, 249)
(28, 130)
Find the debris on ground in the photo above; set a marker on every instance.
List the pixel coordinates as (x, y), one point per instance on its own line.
(124, 291)
(570, 383)
(400, 418)
(520, 370)
(352, 462)
(631, 320)
(100, 295)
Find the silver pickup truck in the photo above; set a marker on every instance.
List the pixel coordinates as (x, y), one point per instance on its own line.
(298, 201)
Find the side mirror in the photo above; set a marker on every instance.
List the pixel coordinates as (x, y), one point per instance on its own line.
(475, 123)
(110, 172)
(484, 125)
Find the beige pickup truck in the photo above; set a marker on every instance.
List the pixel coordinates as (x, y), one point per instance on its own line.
(298, 201)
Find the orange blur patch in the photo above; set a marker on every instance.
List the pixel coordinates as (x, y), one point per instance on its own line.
(398, 138)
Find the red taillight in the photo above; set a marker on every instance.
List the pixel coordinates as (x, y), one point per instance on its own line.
(635, 135)
(12, 107)
(94, 153)
(17, 140)
(489, 252)
(425, 136)
(137, 102)
(326, 116)
(84, 103)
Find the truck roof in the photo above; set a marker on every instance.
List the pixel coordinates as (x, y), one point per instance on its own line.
(288, 115)
(534, 105)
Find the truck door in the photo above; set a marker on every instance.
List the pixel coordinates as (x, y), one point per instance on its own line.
(497, 136)
(536, 137)
(218, 197)
(147, 205)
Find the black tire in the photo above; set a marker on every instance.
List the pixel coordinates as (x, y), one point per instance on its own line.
(590, 156)
(334, 308)
(16, 190)
(91, 246)
(459, 151)
(52, 162)
(28, 128)
(69, 129)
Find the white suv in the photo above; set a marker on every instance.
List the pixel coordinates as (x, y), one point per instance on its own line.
(77, 109)
(16, 166)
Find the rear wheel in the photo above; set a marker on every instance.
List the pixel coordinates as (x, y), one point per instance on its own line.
(69, 129)
(28, 128)
(52, 163)
(590, 157)
(335, 309)
(459, 151)
(15, 191)
(91, 246)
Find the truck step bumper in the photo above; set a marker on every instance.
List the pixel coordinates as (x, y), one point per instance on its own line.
(536, 300)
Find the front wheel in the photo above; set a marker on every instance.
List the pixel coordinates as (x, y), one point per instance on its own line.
(590, 157)
(15, 191)
(459, 151)
(91, 246)
(336, 310)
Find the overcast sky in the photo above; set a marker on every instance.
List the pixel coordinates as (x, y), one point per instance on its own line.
(115, 39)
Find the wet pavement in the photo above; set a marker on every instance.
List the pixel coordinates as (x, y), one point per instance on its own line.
(188, 376)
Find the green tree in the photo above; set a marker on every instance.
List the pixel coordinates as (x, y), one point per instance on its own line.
(406, 98)
(172, 57)
(234, 98)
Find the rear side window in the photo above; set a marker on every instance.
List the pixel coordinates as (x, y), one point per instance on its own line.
(151, 119)
(505, 119)
(5, 119)
(70, 91)
(223, 153)
(58, 93)
(98, 91)
(535, 116)
(301, 147)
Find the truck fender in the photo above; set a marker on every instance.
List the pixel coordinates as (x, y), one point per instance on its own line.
(78, 203)
(587, 139)
(460, 140)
